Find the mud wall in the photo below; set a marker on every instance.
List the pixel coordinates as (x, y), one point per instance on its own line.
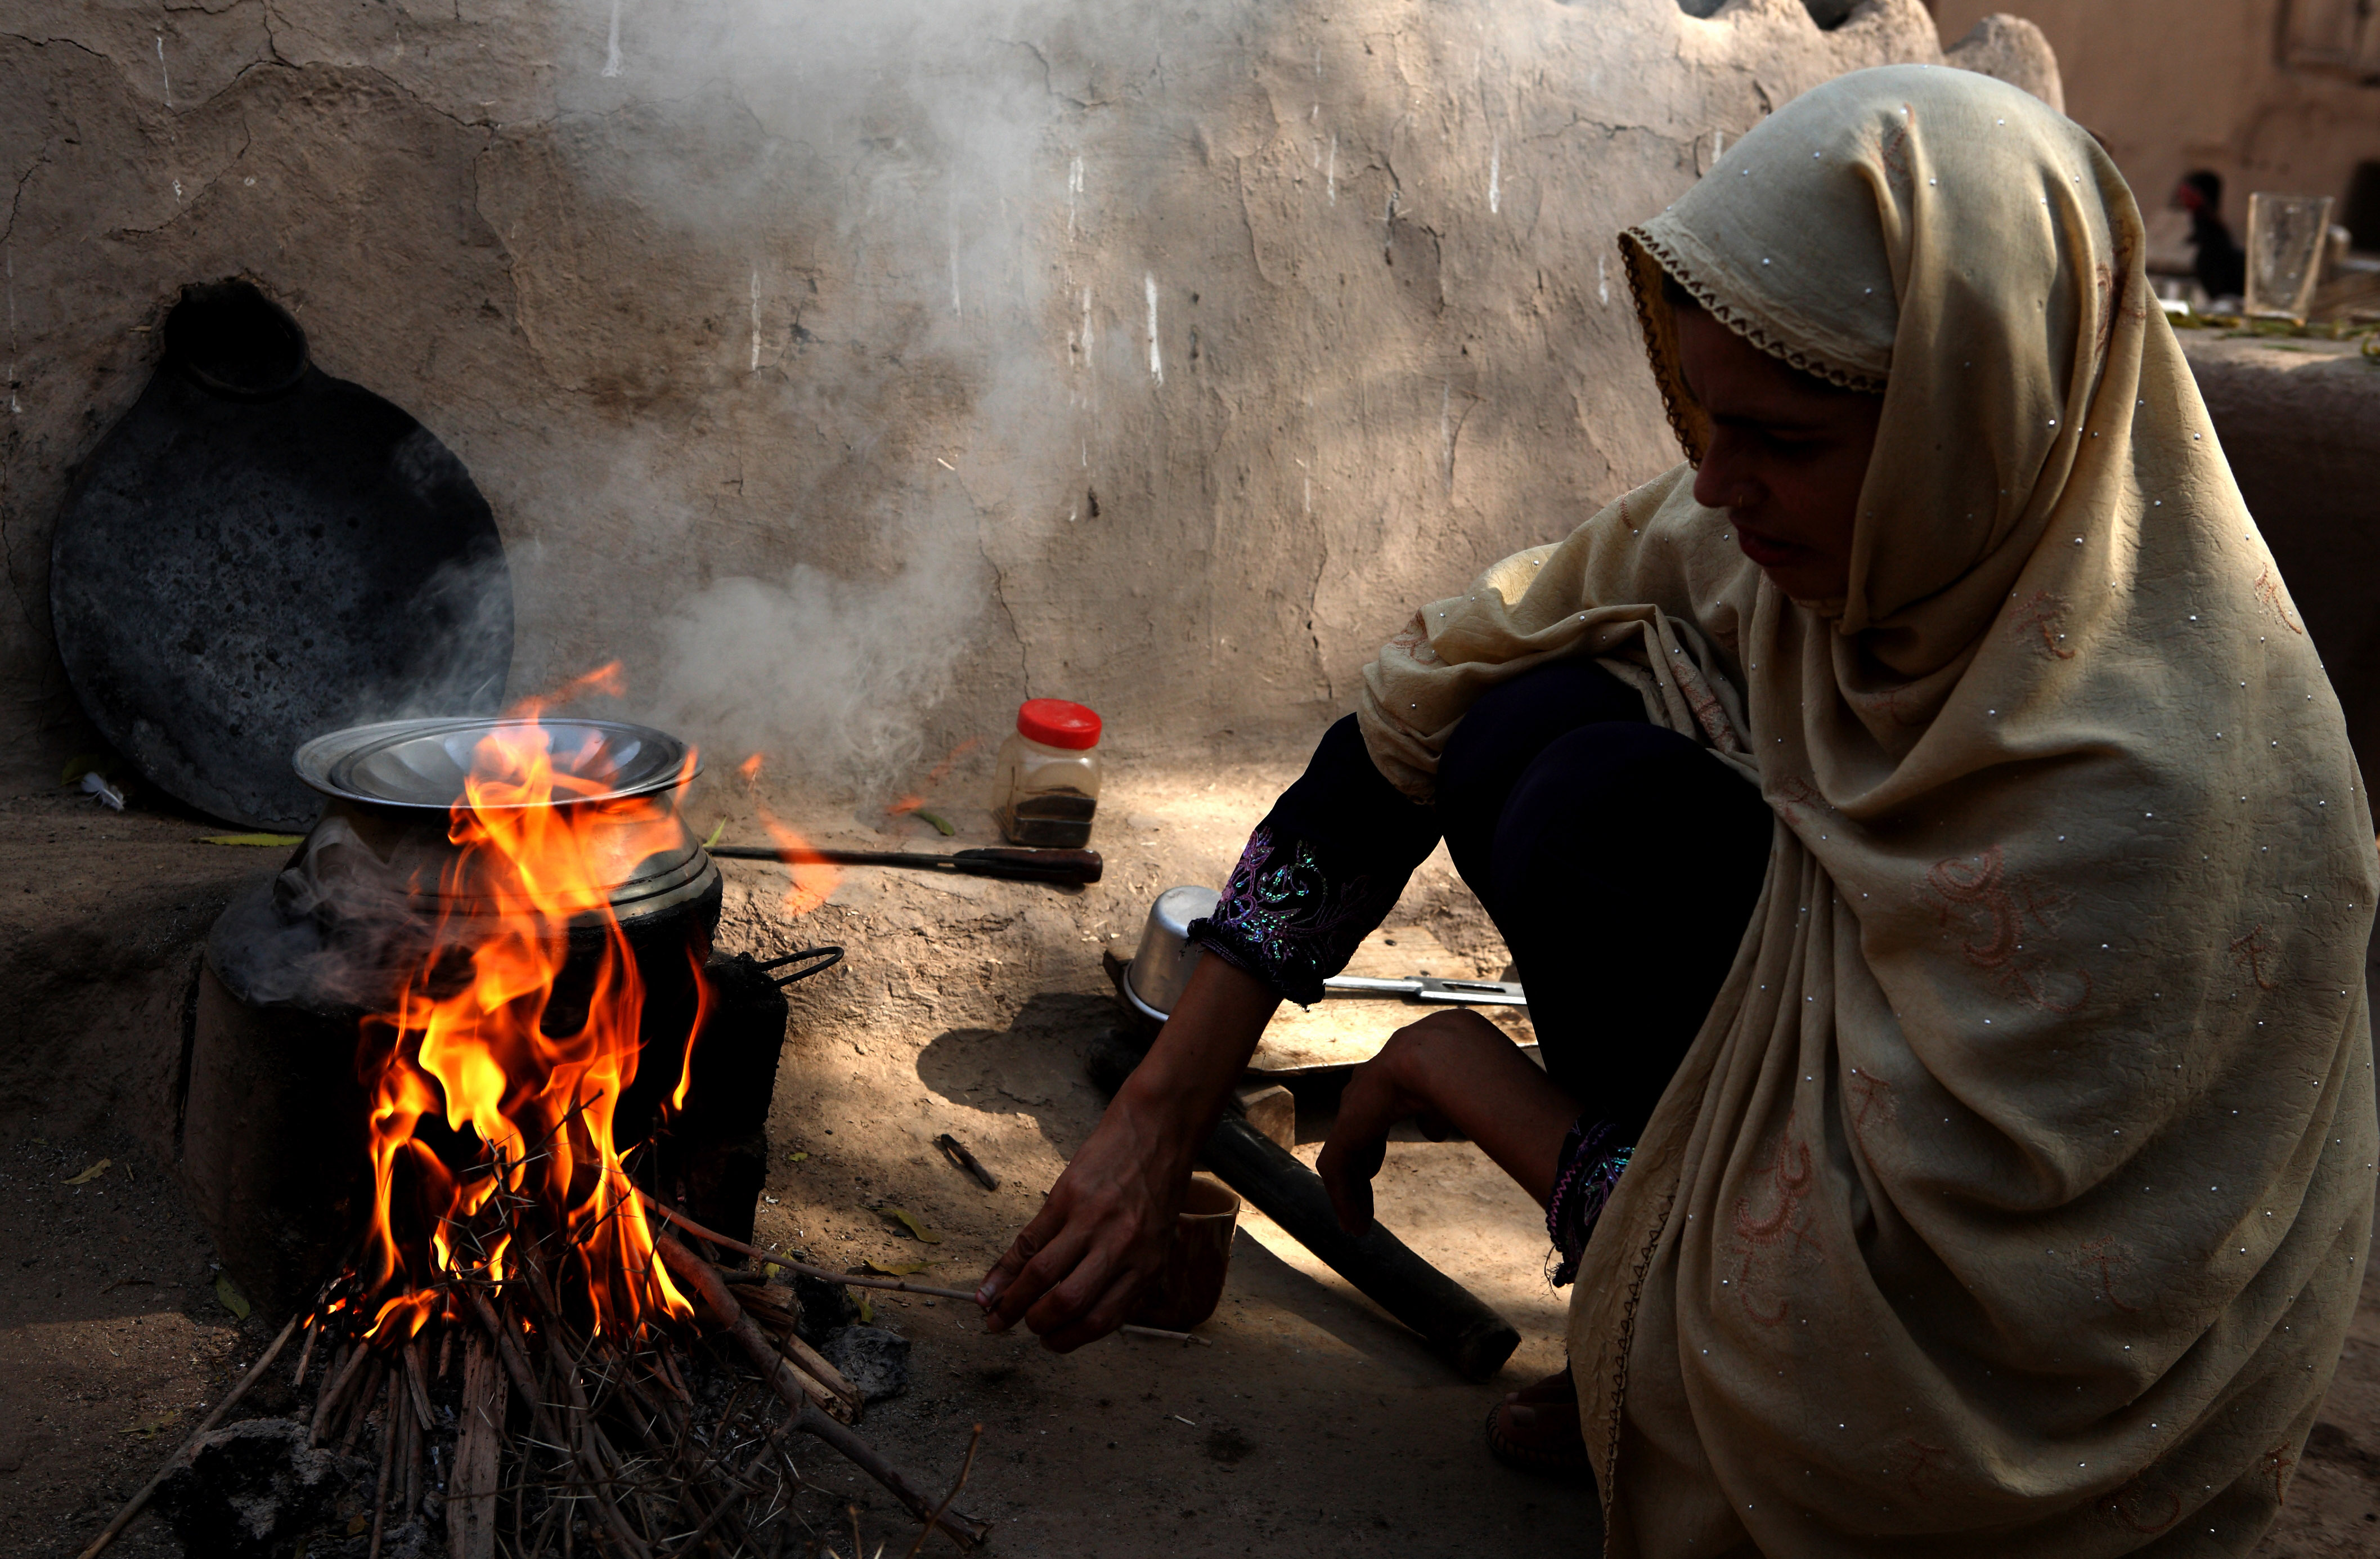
(851, 372)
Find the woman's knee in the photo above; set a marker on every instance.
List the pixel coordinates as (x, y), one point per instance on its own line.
(1512, 723)
(1629, 797)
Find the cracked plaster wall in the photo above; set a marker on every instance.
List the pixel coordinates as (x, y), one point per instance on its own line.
(686, 312)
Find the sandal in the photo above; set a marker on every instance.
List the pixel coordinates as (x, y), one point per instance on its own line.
(1535, 1430)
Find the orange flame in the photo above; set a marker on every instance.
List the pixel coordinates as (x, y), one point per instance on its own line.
(478, 1063)
(814, 877)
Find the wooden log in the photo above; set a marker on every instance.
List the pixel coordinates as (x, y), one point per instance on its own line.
(471, 1485)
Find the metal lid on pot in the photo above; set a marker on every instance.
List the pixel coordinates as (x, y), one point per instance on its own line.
(424, 763)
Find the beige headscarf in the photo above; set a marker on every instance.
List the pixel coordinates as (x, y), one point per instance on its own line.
(2014, 1197)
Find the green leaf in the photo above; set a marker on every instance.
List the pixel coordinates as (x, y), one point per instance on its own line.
(149, 1431)
(232, 1298)
(895, 1269)
(715, 833)
(83, 763)
(911, 1221)
(266, 841)
(942, 826)
(797, 1158)
(866, 1310)
(93, 1173)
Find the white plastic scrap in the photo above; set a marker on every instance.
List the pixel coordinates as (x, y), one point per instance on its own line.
(109, 796)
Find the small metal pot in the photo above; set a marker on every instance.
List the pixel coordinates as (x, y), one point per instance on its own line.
(1161, 964)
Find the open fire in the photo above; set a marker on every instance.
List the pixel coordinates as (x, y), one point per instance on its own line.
(557, 1089)
(490, 1092)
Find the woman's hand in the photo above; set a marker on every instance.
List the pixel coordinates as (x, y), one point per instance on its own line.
(1451, 1072)
(1074, 1270)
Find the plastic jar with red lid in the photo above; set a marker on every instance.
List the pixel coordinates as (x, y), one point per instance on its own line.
(1045, 786)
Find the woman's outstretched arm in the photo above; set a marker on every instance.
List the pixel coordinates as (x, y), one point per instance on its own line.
(1452, 1073)
(1074, 1270)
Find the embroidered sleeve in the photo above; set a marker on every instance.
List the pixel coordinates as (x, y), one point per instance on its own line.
(1590, 1165)
(1289, 919)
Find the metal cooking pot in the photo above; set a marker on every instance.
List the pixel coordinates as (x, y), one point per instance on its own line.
(393, 788)
(1160, 966)
(363, 895)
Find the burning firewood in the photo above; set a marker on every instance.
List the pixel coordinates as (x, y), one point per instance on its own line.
(611, 1390)
(543, 1427)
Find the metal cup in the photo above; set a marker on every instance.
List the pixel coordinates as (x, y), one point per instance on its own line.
(1161, 964)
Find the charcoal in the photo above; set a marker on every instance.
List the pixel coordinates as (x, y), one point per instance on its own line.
(875, 1361)
(255, 1486)
(826, 1308)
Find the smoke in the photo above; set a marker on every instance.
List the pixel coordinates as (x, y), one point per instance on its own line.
(829, 675)
(830, 246)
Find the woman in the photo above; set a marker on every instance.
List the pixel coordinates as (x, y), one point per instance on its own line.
(2004, 1181)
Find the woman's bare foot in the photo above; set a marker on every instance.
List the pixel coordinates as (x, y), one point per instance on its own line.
(1535, 1430)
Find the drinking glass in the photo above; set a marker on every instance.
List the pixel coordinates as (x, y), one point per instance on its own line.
(2285, 237)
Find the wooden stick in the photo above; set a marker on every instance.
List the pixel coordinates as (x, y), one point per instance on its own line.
(331, 1395)
(1159, 1334)
(392, 1424)
(416, 1389)
(860, 1280)
(965, 1468)
(590, 1438)
(849, 1280)
(964, 1531)
(737, 1489)
(306, 1354)
(668, 1372)
(134, 1505)
(957, 1152)
(416, 1442)
(784, 1379)
(704, 1279)
(780, 1326)
(366, 1400)
(471, 1483)
(525, 1383)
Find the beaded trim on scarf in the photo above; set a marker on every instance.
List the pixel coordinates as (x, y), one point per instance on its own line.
(1282, 920)
(1583, 1178)
(1720, 309)
(1664, 374)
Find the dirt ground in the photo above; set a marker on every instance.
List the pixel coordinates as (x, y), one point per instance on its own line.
(1311, 1423)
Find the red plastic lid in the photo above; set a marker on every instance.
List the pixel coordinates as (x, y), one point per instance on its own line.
(1056, 723)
